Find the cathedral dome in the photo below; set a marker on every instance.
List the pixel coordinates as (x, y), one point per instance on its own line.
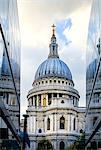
(91, 70)
(53, 66)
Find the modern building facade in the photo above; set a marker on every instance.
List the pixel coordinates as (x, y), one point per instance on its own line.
(53, 104)
(9, 70)
(93, 77)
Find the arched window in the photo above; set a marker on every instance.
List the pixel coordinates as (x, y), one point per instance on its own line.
(48, 124)
(62, 122)
(62, 145)
(40, 131)
(74, 124)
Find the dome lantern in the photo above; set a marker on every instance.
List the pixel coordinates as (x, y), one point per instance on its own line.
(53, 45)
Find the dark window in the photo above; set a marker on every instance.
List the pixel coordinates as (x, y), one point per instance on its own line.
(94, 145)
(53, 47)
(49, 98)
(58, 81)
(48, 124)
(54, 81)
(40, 131)
(42, 82)
(46, 81)
(49, 95)
(7, 98)
(62, 81)
(1, 93)
(60, 95)
(62, 145)
(62, 101)
(99, 144)
(74, 124)
(35, 101)
(50, 81)
(3, 133)
(62, 122)
(54, 94)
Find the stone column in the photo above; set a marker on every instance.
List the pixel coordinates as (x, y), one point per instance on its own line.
(37, 101)
(33, 101)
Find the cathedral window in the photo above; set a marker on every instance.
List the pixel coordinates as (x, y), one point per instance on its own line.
(62, 145)
(58, 81)
(54, 81)
(62, 101)
(74, 124)
(50, 81)
(49, 98)
(48, 124)
(40, 131)
(54, 94)
(46, 81)
(60, 95)
(53, 47)
(62, 81)
(62, 123)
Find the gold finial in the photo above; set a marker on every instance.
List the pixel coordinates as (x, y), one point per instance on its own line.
(53, 26)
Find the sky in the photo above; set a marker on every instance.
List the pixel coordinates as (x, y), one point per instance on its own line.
(71, 18)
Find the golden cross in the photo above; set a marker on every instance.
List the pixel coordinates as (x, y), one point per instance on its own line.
(53, 26)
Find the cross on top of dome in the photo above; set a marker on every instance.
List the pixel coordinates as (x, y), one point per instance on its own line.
(53, 26)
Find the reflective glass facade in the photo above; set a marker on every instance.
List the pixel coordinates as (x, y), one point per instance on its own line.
(93, 78)
(9, 67)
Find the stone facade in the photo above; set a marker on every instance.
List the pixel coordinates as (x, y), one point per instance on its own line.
(53, 104)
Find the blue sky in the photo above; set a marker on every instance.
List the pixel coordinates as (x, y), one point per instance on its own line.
(71, 20)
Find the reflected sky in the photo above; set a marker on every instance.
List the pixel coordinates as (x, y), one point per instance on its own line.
(94, 31)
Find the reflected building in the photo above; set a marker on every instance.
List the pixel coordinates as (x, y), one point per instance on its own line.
(9, 67)
(53, 104)
(93, 76)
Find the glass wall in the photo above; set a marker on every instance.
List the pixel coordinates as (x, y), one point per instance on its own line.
(93, 78)
(9, 69)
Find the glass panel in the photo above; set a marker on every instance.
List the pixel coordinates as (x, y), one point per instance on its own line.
(93, 77)
(9, 67)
